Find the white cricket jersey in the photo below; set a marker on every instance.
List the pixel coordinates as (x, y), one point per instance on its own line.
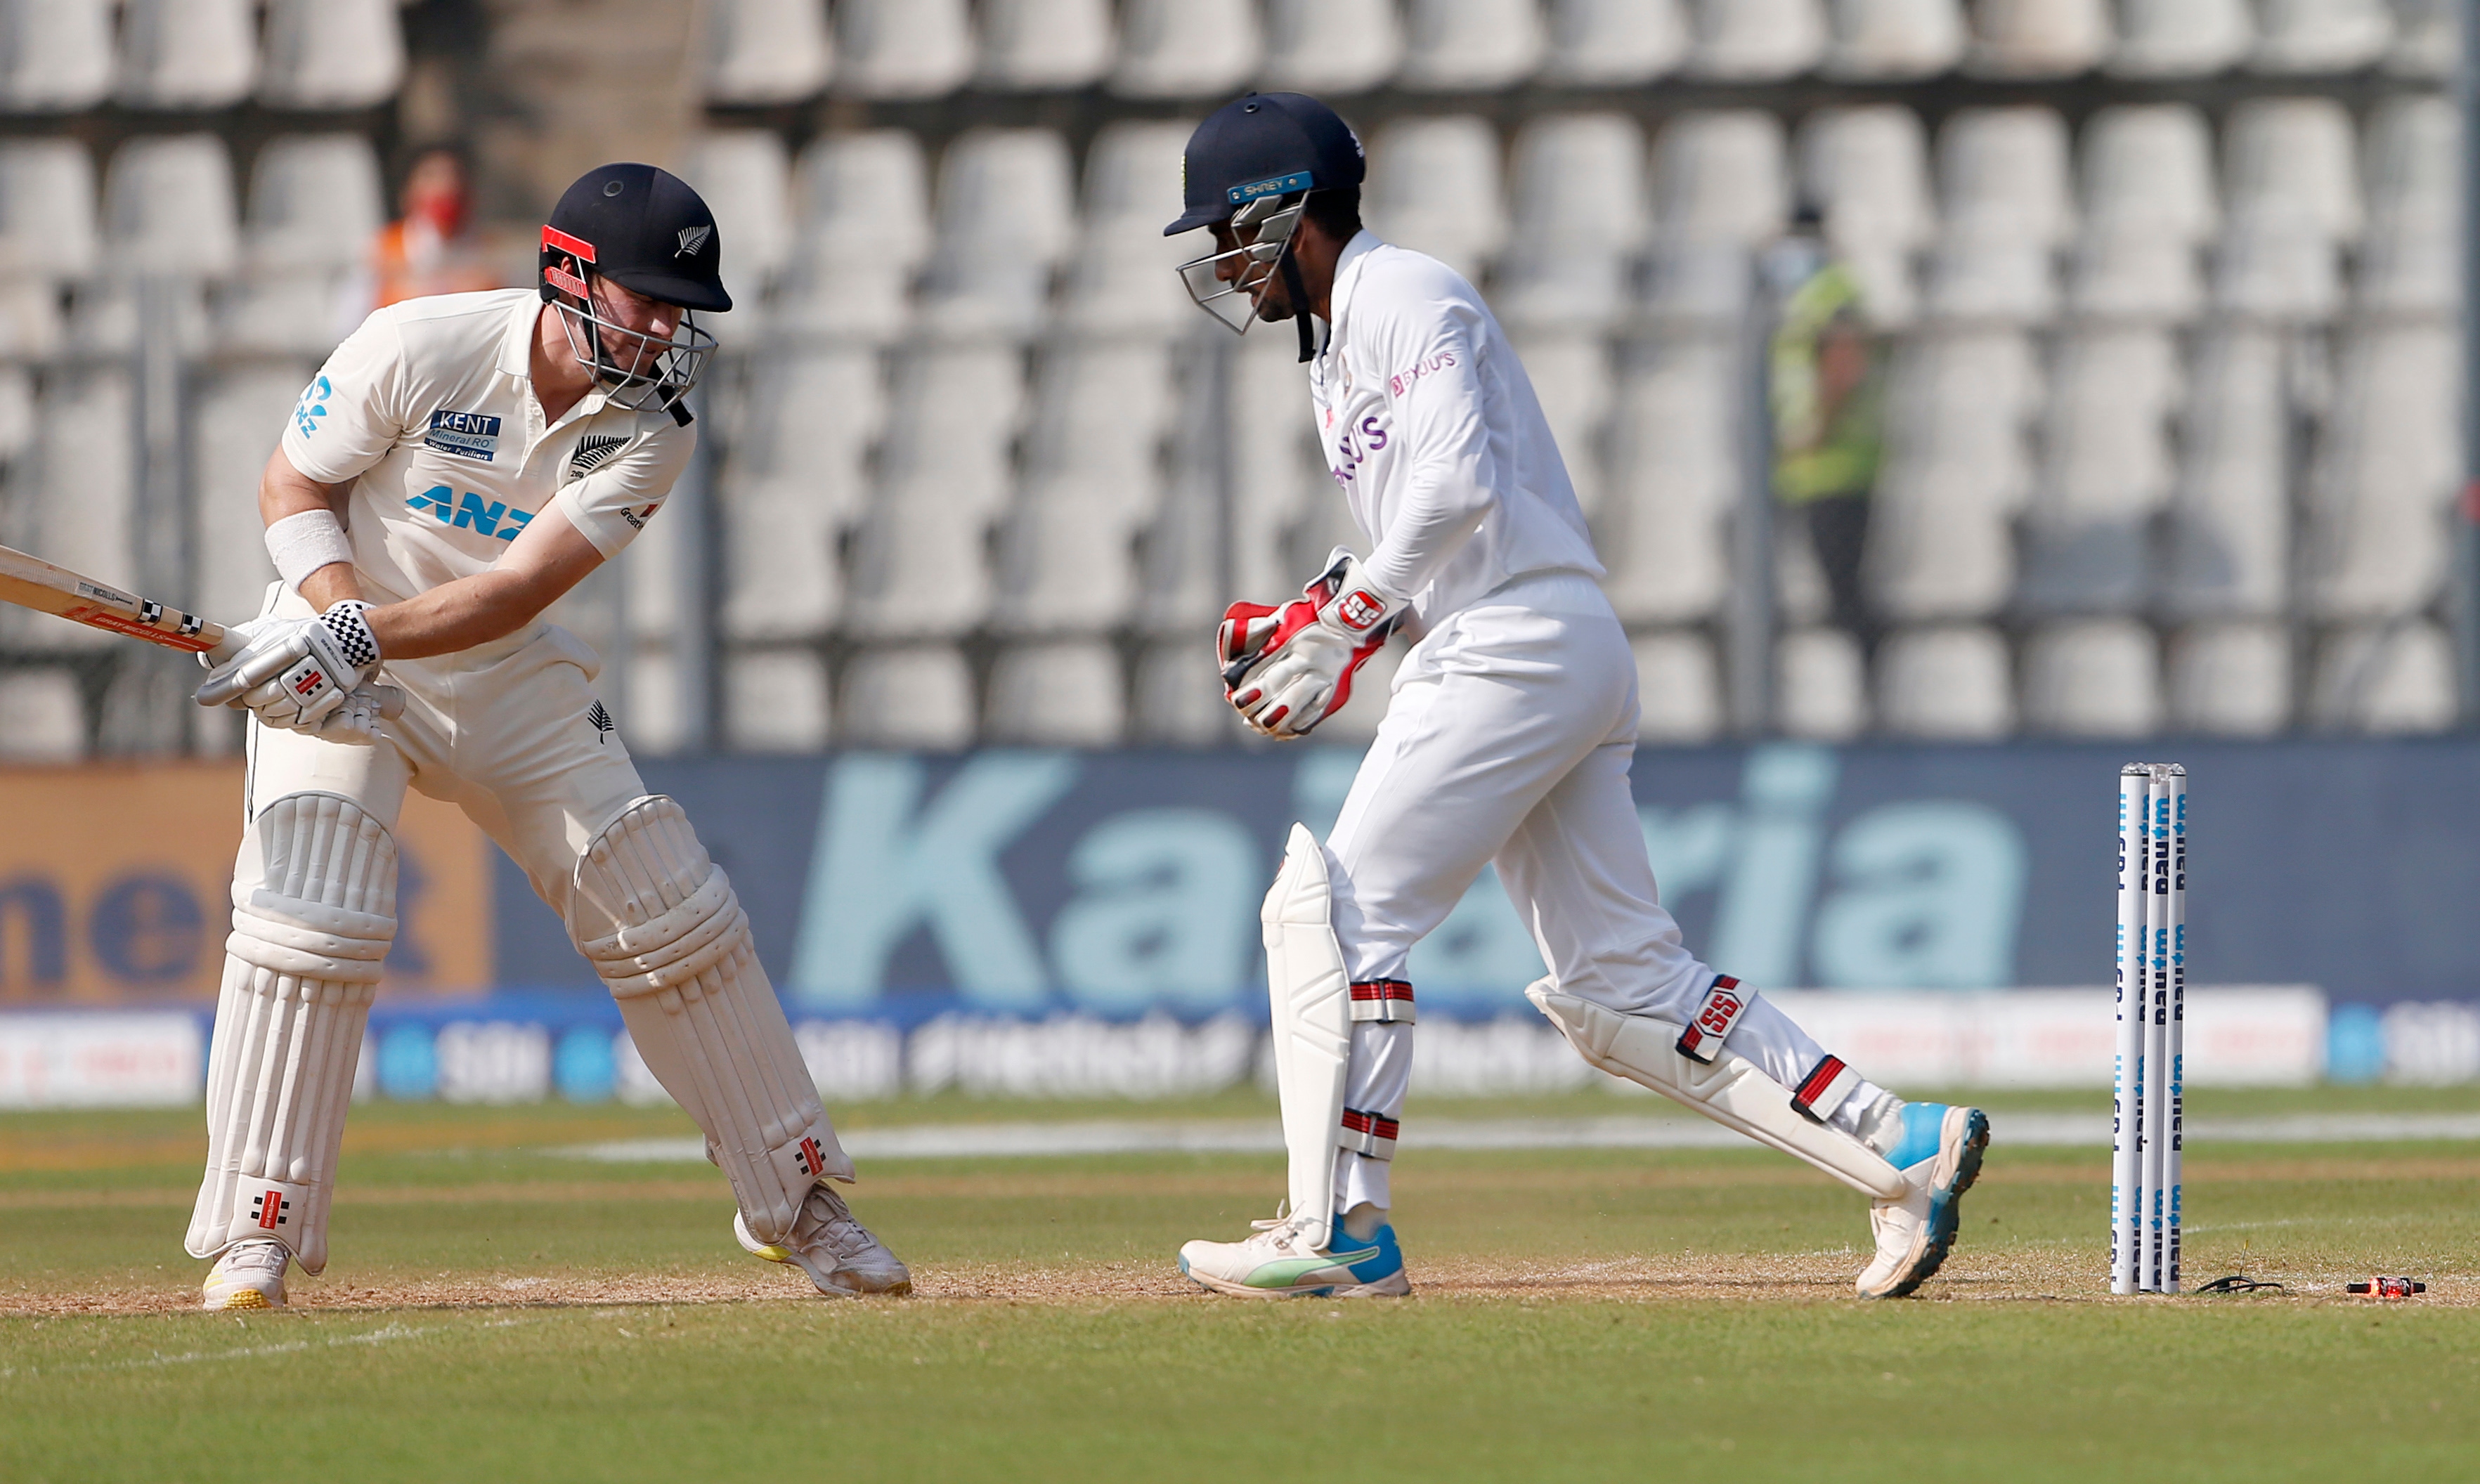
(429, 410)
(1431, 426)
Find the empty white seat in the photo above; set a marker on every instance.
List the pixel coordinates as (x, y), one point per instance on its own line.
(2386, 475)
(85, 508)
(331, 54)
(1007, 216)
(2229, 527)
(1940, 539)
(188, 53)
(2322, 35)
(953, 417)
(1570, 371)
(55, 54)
(2003, 175)
(2277, 263)
(2148, 170)
(1067, 561)
(2127, 276)
(168, 207)
(2039, 38)
(1613, 42)
(1887, 39)
(240, 413)
(314, 203)
(2093, 678)
(795, 484)
(18, 414)
(1578, 219)
(902, 48)
(2297, 155)
(1679, 688)
(2180, 37)
(914, 697)
(1279, 466)
(1338, 47)
(1948, 682)
(1459, 45)
(919, 566)
(2108, 472)
(1179, 702)
(1044, 43)
(42, 717)
(1186, 48)
(1674, 479)
(1866, 168)
(766, 51)
(2231, 680)
(47, 217)
(1720, 176)
(2409, 261)
(775, 701)
(2425, 39)
(861, 231)
(1122, 278)
(1100, 410)
(1433, 186)
(1057, 695)
(1820, 685)
(1999, 280)
(746, 180)
(2384, 678)
(1756, 40)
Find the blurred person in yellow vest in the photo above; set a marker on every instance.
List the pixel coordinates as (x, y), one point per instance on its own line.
(1828, 400)
(432, 248)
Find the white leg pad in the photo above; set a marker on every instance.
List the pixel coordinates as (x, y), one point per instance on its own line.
(663, 928)
(1731, 1090)
(308, 945)
(1310, 996)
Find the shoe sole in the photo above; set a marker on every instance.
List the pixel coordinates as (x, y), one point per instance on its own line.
(1393, 1286)
(769, 1253)
(241, 1298)
(1946, 1208)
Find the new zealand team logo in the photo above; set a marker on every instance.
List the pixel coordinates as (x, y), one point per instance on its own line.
(693, 241)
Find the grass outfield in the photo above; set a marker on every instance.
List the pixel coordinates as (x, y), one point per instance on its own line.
(495, 1308)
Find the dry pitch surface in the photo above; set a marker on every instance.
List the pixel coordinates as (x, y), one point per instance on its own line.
(495, 1305)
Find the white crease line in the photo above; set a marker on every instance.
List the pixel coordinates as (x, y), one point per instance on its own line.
(380, 1336)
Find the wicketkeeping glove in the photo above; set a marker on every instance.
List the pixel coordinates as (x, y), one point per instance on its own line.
(1286, 669)
(305, 674)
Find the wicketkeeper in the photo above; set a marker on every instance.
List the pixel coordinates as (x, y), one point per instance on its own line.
(1508, 739)
(458, 464)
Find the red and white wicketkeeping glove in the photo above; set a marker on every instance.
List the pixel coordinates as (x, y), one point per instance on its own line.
(1286, 669)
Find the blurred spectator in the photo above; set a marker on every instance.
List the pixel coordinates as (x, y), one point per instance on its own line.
(432, 248)
(1827, 401)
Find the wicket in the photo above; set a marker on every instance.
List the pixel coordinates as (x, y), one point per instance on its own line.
(2146, 1107)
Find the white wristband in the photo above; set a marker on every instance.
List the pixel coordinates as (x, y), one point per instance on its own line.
(305, 541)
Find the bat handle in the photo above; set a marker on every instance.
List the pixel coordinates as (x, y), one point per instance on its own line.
(391, 700)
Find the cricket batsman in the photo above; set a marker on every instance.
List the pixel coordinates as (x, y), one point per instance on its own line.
(458, 464)
(1508, 739)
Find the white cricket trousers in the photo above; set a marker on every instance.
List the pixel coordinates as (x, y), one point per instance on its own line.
(1508, 740)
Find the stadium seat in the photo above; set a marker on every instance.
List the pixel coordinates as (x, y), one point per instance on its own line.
(1866, 168)
(180, 54)
(1065, 694)
(1578, 221)
(18, 414)
(2297, 154)
(1570, 371)
(1675, 476)
(2126, 276)
(775, 701)
(1274, 458)
(331, 54)
(1608, 43)
(902, 48)
(2039, 38)
(2385, 474)
(238, 418)
(759, 52)
(782, 543)
(2384, 678)
(168, 207)
(314, 205)
(1035, 44)
(1433, 186)
(2092, 678)
(1179, 701)
(861, 231)
(42, 717)
(2148, 169)
(1465, 45)
(2180, 37)
(1067, 561)
(2408, 261)
(796, 481)
(913, 697)
(746, 179)
(2003, 175)
(1820, 685)
(1186, 48)
(2230, 520)
(2108, 472)
(1720, 176)
(1007, 216)
(1331, 46)
(57, 55)
(2002, 280)
(1679, 688)
(84, 483)
(2231, 680)
(1892, 40)
(1122, 278)
(954, 419)
(47, 210)
(920, 565)
(1099, 413)
(2322, 35)
(1940, 539)
(1757, 40)
(2276, 264)
(1947, 683)
(2426, 42)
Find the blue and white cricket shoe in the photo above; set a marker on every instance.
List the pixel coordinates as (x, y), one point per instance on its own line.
(1939, 1154)
(1279, 1262)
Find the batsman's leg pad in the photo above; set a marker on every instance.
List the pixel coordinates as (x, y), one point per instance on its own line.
(1310, 995)
(308, 944)
(663, 928)
(1730, 1090)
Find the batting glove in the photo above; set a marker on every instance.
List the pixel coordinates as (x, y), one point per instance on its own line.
(305, 674)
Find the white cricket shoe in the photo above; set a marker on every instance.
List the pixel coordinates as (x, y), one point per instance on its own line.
(1279, 1262)
(248, 1275)
(1939, 1155)
(837, 1252)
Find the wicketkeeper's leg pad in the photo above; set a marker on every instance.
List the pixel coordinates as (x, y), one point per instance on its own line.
(309, 941)
(1722, 1085)
(663, 928)
(1310, 995)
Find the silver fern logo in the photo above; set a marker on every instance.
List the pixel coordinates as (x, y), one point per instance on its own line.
(693, 241)
(601, 720)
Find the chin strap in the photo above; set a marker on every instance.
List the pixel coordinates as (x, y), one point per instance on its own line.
(1301, 314)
